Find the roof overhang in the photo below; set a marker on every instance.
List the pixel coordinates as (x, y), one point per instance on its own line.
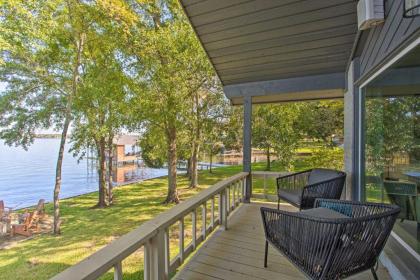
(292, 89)
(276, 51)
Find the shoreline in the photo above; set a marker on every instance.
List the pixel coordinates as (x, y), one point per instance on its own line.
(116, 186)
(78, 195)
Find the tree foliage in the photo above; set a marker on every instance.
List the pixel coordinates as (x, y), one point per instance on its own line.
(170, 67)
(321, 120)
(275, 129)
(392, 128)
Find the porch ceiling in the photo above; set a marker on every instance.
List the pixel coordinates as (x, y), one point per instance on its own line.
(273, 40)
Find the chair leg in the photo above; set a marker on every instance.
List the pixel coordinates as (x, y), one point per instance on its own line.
(374, 273)
(266, 253)
(278, 203)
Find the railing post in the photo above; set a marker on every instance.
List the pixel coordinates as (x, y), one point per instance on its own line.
(154, 258)
(224, 209)
(243, 189)
(194, 228)
(181, 240)
(118, 275)
(220, 209)
(233, 195)
(265, 185)
(204, 217)
(212, 213)
(167, 254)
(238, 192)
(147, 259)
(227, 199)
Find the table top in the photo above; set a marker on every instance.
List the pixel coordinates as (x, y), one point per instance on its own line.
(415, 174)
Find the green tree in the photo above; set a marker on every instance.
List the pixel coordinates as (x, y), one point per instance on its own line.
(42, 54)
(207, 109)
(232, 136)
(274, 130)
(169, 63)
(102, 100)
(321, 120)
(389, 122)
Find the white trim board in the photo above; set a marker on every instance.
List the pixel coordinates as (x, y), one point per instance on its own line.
(406, 246)
(397, 57)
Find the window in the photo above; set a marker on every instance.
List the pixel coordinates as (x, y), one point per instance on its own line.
(392, 143)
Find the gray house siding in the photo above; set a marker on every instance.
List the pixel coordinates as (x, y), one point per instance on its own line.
(386, 38)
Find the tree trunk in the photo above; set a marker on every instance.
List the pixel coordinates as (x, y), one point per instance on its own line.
(194, 166)
(268, 168)
(102, 172)
(57, 186)
(67, 120)
(196, 145)
(110, 158)
(211, 161)
(189, 168)
(172, 159)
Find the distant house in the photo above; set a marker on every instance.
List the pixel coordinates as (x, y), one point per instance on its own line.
(126, 149)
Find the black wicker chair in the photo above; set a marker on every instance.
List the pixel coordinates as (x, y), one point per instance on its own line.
(302, 188)
(333, 241)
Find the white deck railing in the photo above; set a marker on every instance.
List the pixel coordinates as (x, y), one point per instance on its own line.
(154, 235)
(266, 175)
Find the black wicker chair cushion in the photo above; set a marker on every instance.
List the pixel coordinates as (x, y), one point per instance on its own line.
(292, 196)
(322, 212)
(302, 188)
(319, 175)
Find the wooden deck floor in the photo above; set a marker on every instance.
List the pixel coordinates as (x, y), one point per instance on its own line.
(238, 253)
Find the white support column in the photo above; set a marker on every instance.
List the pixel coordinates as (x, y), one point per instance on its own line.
(352, 127)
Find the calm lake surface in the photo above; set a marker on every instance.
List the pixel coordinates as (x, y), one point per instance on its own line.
(27, 176)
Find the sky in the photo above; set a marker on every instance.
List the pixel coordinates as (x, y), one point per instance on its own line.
(39, 131)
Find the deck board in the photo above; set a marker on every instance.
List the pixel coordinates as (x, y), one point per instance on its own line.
(238, 253)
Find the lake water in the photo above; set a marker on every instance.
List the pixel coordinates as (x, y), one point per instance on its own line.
(27, 176)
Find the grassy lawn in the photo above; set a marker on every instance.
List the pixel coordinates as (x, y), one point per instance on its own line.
(85, 230)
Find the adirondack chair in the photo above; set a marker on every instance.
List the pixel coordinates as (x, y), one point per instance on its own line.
(31, 221)
(29, 226)
(4, 211)
(1, 209)
(4, 218)
(41, 207)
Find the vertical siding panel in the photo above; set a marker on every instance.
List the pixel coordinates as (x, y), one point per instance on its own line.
(382, 40)
(415, 26)
(373, 34)
(390, 23)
